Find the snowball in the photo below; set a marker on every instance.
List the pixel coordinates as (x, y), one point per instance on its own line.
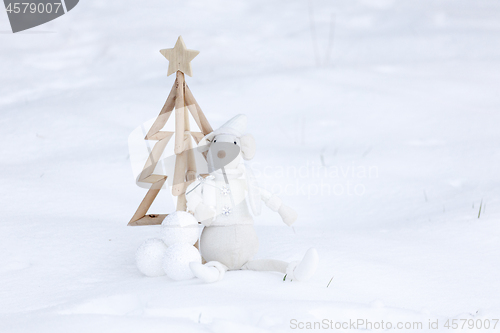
(149, 257)
(180, 227)
(177, 259)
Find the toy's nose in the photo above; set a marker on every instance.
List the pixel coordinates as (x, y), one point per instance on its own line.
(221, 154)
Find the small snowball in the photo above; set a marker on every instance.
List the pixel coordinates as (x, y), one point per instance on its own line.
(177, 259)
(149, 257)
(180, 227)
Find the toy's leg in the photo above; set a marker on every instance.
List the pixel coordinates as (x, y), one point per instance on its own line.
(299, 271)
(212, 271)
(305, 269)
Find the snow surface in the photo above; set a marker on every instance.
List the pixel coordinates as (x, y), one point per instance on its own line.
(405, 112)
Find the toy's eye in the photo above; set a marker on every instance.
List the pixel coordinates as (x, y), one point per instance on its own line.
(215, 140)
(234, 142)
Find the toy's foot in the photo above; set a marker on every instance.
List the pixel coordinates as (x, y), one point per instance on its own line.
(209, 273)
(305, 269)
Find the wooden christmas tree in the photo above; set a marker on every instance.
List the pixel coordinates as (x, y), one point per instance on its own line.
(180, 100)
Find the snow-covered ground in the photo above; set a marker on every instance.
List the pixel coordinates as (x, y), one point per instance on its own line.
(386, 148)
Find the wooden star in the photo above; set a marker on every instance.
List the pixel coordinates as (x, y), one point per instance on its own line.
(179, 58)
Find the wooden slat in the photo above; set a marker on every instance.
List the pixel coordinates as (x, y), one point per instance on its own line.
(152, 179)
(150, 219)
(147, 201)
(165, 113)
(179, 174)
(179, 114)
(191, 162)
(153, 158)
(160, 135)
(196, 112)
(197, 136)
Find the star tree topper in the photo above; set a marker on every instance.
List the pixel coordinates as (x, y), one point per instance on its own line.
(179, 58)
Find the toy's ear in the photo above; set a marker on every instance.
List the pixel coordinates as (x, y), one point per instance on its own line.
(248, 148)
(204, 143)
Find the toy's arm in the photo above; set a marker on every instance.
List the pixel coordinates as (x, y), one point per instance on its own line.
(288, 215)
(194, 197)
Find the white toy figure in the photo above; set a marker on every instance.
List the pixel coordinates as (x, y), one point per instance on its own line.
(229, 241)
